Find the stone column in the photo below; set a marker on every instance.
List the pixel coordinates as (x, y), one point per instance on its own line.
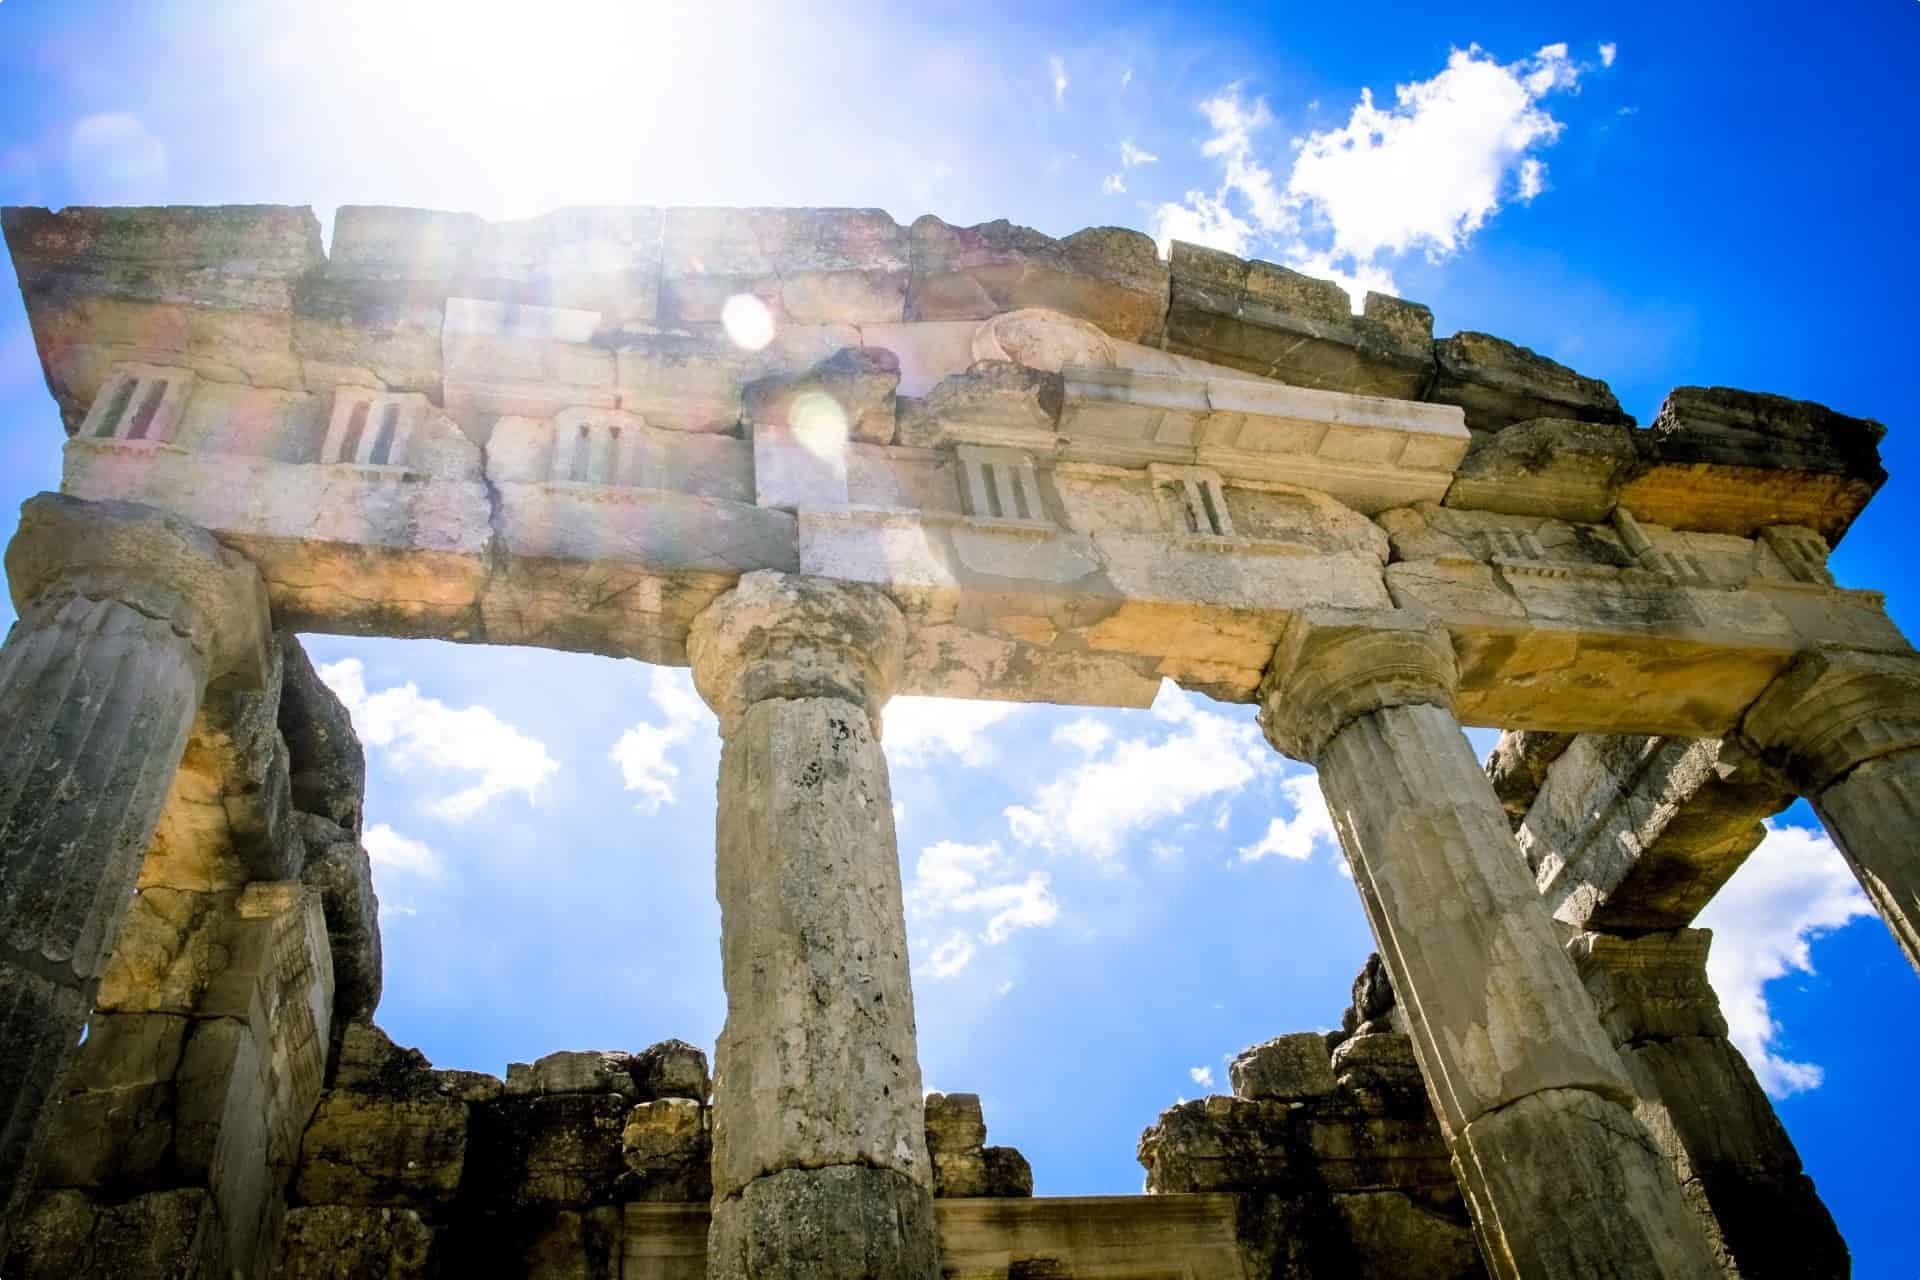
(1700, 1102)
(820, 1165)
(1561, 1179)
(126, 613)
(1845, 727)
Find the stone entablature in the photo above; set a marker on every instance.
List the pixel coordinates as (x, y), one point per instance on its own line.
(542, 433)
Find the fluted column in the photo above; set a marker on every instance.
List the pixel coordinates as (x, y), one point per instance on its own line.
(1705, 1111)
(1561, 1179)
(125, 614)
(820, 1165)
(1845, 727)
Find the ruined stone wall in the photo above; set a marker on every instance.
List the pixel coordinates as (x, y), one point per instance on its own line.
(1332, 1148)
(252, 942)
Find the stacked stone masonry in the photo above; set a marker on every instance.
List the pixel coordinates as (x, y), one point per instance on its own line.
(823, 458)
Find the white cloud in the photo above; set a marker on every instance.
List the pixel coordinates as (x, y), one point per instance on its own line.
(419, 731)
(1202, 1076)
(1191, 755)
(1422, 175)
(1086, 733)
(951, 956)
(1533, 179)
(1126, 77)
(642, 751)
(1130, 155)
(1058, 70)
(1204, 220)
(1608, 52)
(1792, 889)
(1297, 837)
(388, 850)
(976, 883)
(918, 730)
(114, 153)
(1113, 185)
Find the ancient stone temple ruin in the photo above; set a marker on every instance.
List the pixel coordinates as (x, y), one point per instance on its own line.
(823, 458)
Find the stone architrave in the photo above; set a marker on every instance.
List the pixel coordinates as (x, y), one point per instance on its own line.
(126, 613)
(1845, 725)
(1561, 1179)
(820, 1165)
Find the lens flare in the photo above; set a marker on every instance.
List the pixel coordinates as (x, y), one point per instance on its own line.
(747, 321)
(819, 424)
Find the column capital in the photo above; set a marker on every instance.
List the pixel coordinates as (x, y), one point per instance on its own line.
(1330, 669)
(1835, 708)
(154, 563)
(781, 635)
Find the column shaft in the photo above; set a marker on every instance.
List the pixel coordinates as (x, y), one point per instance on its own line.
(820, 1167)
(1873, 815)
(1561, 1178)
(96, 702)
(125, 612)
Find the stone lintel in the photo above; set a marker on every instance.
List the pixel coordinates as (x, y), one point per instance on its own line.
(1632, 834)
(153, 562)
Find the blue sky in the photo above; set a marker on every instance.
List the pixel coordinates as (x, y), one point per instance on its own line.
(1101, 905)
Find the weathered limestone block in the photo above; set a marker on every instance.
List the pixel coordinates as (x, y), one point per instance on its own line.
(672, 1069)
(1703, 1108)
(343, 874)
(549, 1150)
(573, 1071)
(279, 977)
(847, 396)
(995, 402)
(206, 288)
(1732, 461)
(1283, 1069)
(1379, 1062)
(392, 1131)
(53, 1240)
(849, 1222)
(170, 947)
(1499, 1019)
(1355, 1181)
(236, 743)
(346, 1242)
(577, 1246)
(1548, 466)
(326, 765)
(113, 1125)
(506, 358)
(1499, 383)
(1396, 1235)
(1518, 765)
(1845, 726)
(1277, 323)
(667, 1146)
(1109, 276)
(963, 1165)
(806, 266)
(124, 615)
(363, 1149)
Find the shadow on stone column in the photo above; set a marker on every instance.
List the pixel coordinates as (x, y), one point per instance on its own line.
(125, 615)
